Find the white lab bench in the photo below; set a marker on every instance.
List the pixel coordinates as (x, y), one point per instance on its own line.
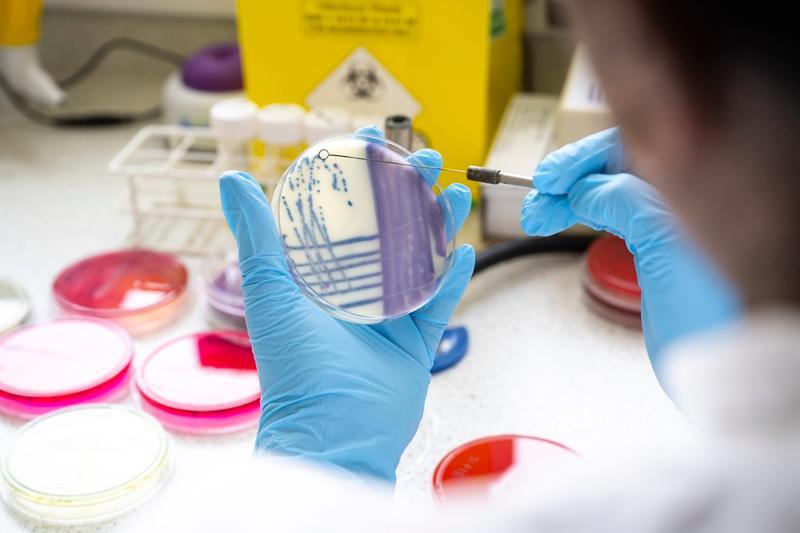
(540, 362)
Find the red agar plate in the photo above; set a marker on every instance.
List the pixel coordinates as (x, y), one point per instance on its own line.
(610, 274)
(62, 357)
(485, 468)
(122, 284)
(202, 372)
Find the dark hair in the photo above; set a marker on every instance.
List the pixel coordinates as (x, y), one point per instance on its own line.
(712, 40)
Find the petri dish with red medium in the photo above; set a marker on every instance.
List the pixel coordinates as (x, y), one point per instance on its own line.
(201, 383)
(495, 467)
(139, 289)
(610, 281)
(62, 362)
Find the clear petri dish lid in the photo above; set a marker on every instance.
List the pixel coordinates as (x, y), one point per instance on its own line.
(120, 283)
(365, 236)
(500, 466)
(64, 356)
(85, 464)
(14, 305)
(202, 372)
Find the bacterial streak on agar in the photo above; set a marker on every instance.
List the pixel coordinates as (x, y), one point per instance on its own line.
(312, 231)
(383, 259)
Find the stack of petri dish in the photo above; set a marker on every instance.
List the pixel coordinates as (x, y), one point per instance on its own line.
(500, 466)
(141, 290)
(223, 282)
(86, 464)
(62, 362)
(610, 283)
(203, 383)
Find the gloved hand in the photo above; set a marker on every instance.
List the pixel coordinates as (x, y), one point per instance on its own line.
(345, 394)
(584, 183)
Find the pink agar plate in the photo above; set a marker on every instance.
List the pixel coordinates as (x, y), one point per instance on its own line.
(62, 356)
(139, 289)
(62, 362)
(202, 372)
(203, 422)
(28, 408)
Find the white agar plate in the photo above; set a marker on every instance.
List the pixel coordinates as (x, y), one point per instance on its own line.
(364, 233)
(85, 464)
(14, 305)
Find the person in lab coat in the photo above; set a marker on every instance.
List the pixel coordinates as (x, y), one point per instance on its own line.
(706, 195)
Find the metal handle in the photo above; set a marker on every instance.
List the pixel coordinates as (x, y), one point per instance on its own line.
(493, 177)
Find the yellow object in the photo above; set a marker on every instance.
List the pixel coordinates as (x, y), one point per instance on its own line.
(452, 66)
(19, 22)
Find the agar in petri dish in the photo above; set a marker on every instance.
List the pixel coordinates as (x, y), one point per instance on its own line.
(610, 281)
(223, 282)
(139, 289)
(14, 305)
(365, 237)
(205, 423)
(497, 466)
(201, 372)
(202, 383)
(85, 464)
(48, 365)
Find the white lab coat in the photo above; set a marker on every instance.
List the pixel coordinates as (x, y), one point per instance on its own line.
(741, 386)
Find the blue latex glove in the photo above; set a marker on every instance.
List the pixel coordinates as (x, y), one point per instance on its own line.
(344, 394)
(584, 183)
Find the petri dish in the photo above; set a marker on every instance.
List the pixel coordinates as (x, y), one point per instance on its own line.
(365, 237)
(14, 305)
(206, 423)
(49, 365)
(451, 350)
(27, 408)
(139, 289)
(201, 383)
(206, 371)
(85, 464)
(610, 282)
(223, 283)
(499, 466)
(629, 319)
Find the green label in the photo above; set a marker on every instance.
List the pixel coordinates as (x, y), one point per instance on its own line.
(497, 19)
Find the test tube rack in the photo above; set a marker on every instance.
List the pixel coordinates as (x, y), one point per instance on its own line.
(172, 190)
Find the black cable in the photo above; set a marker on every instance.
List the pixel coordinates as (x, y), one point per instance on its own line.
(120, 43)
(505, 251)
(95, 118)
(98, 118)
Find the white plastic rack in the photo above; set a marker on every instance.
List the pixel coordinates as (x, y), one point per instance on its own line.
(172, 193)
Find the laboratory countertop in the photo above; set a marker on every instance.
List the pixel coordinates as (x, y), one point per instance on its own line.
(540, 363)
